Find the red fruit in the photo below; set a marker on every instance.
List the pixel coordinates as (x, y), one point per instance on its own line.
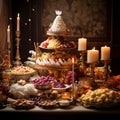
(49, 38)
(45, 44)
(69, 77)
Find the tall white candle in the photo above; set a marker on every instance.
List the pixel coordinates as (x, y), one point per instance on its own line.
(82, 43)
(105, 53)
(18, 22)
(73, 68)
(92, 56)
(8, 33)
(73, 77)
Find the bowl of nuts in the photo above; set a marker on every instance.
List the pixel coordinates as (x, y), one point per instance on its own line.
(21, 72)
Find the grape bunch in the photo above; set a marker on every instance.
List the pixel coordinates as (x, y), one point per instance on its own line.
(48, 80)
(70, 76)
(44, 80)
(59, 85)
(4, 88)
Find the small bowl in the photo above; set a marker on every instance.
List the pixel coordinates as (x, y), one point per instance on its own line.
(43, 87)
(23, 76)
(66, 95)
(64, 102)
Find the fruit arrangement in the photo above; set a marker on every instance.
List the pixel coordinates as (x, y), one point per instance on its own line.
(69, 77)
(48, 80)
(56, 42)
(101, 97)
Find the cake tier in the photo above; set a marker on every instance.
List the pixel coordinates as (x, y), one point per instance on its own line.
(55, 59)
(57, 43)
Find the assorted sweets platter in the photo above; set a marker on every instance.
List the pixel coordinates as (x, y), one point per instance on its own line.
(21, 72)
(47, 92)
(62, 86)
(100, 98)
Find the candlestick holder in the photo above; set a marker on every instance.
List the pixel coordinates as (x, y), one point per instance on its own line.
(17, 62)
(82, 62)
(92, 72)
(106, 70)
(9, 55)
(74, 92)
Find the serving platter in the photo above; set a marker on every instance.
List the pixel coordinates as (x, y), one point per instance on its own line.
(63, 88)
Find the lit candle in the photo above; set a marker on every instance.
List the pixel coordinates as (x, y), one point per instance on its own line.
(18, 22)
(8, 33)
(105, 53)
(92, 55)
(73, 77)
(73, 67)
(82, 42)
(66, 95)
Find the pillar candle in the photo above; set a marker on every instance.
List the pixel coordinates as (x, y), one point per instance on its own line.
(18, 22)
(73, 67)
(73, 81)
(92, 56)
(82, 43)
(8, 33)
(105, 53)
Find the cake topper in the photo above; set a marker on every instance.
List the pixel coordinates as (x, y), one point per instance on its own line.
(58, 12)
(58, 27)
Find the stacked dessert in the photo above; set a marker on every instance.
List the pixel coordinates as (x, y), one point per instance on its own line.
(58, 27)
(57, 41)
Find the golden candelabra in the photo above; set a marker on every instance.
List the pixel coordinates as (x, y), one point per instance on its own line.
(82, 62)
(92, 68)
(17, 62)
(9, 54)
(7, 57)
(106, 70)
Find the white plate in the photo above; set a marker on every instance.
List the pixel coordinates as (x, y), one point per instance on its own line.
(62, 89)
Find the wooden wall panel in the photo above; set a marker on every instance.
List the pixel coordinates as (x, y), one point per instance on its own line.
(42, 13)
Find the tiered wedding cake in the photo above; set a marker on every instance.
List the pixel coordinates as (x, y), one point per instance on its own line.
(57, 41)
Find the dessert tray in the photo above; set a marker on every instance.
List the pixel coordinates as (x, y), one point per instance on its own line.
(21, 103)
(47, 103)
(100, 98)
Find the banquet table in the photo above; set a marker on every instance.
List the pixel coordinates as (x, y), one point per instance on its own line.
(73, 112)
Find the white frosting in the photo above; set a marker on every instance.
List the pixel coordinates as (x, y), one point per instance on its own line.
(51, 62)
(58, 25)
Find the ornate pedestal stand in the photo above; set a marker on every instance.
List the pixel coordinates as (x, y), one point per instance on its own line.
(106, 71)
(17, 62)
(82, 66)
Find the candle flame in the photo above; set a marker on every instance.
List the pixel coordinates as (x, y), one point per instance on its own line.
(8, 26)
(73, 60)
(18, 14)
(93, 48)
